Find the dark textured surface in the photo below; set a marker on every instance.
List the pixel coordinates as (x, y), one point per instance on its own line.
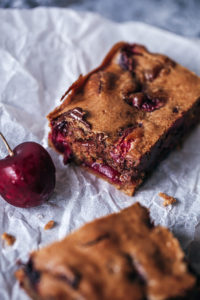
(179, 16)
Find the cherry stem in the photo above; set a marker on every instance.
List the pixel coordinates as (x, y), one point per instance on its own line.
(11, 153)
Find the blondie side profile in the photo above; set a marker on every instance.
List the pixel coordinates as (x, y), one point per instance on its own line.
(122, 118)
(121, 256)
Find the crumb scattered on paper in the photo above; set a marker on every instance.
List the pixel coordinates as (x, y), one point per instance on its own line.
(8, 238)
(168, 200)
(49, 225)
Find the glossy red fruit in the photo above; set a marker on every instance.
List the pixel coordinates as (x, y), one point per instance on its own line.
(27, 175)
(145, 102)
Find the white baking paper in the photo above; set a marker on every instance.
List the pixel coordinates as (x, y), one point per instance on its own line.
(42, 51)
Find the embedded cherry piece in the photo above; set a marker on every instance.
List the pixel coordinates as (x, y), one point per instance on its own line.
(27, 175)
(58, 139)
(105, 170)
(126, 60)
(145, 102)
(151, 104)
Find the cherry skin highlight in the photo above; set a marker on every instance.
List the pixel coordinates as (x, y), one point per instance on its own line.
(27, 175)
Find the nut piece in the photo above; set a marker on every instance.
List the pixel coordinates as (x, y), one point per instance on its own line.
(168, 200)
(8, 238)
(49, 225)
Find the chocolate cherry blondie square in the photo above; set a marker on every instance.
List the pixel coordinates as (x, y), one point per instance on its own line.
(122, 118)
(121, 256)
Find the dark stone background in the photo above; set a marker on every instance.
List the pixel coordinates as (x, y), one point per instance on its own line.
(179, 16)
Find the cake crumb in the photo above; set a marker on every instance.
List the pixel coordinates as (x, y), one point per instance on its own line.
(49, 225)
(168, 200)
(8, 238)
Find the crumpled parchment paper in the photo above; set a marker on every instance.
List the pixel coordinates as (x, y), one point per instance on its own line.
(42, 52)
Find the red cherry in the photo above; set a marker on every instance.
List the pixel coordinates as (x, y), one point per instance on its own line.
(27, 175)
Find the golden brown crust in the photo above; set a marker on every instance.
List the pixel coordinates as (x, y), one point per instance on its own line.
(106, 95)
(116, 257)
(108, 111)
